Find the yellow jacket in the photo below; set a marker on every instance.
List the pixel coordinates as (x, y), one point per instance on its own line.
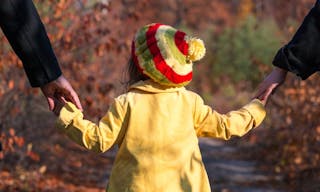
(157, 130)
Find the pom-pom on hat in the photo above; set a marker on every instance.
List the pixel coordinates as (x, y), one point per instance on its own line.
(165, 54)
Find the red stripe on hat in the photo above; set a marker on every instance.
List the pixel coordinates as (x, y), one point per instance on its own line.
(181, 42)
(159, 61)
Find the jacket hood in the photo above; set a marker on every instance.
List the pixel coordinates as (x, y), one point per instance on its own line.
(153, 87)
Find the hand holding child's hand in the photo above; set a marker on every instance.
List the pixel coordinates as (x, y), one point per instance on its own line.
(270, 83)
(60, 88)
(58, 104)
(264, 101)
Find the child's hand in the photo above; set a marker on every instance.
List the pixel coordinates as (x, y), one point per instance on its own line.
(58, 104)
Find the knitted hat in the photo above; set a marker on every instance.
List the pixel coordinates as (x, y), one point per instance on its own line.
(165, 54)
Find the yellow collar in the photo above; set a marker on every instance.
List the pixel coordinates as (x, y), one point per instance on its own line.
(153, 87)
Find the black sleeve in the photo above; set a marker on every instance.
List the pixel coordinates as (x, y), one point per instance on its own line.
(24, 30)
(302, 54)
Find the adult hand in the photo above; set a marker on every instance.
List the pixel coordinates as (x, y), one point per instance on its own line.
(58, 106)
(60, 89)
(270, 83)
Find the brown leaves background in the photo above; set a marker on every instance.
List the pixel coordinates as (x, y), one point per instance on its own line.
(92, 42)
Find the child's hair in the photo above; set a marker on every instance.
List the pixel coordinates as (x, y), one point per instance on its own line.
(134, 74)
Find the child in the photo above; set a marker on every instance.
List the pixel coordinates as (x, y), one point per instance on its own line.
(156, 124)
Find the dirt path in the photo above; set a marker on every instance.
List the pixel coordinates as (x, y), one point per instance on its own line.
(228, 173)
(73, 169)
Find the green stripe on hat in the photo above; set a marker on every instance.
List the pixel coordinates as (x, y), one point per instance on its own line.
(145, 58)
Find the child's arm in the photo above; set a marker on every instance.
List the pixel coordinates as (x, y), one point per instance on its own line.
(209, 123)
(87, 134)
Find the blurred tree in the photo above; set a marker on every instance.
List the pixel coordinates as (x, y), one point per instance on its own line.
(245, 51)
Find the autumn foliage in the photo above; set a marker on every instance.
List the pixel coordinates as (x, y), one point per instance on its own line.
(92, 39)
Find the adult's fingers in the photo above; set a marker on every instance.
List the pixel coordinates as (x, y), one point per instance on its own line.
(259, 93)
(66, 91)
(71, 95)
(270, 91)
(56, 109)
(63, 99)
(77, 100)
(50, 103)
(261, 90)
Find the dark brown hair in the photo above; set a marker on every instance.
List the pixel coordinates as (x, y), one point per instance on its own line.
(134, 74)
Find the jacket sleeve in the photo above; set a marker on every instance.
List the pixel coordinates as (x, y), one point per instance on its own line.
(301, 55)
(21, 24)
(209, 123)
(97, 138)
